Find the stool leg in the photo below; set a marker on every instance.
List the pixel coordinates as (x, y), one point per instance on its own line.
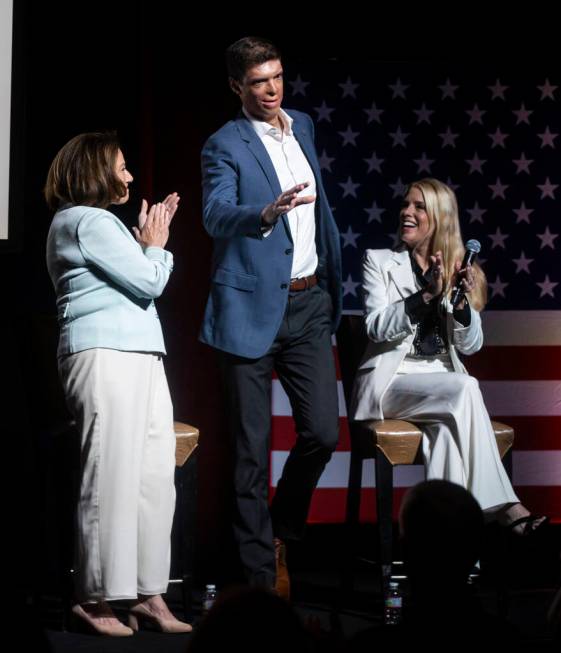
(351, 523)
(189, 522)
(384, 501)
(353, 495)
(183, 548)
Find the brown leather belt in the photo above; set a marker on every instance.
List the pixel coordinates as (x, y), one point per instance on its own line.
(303, 283)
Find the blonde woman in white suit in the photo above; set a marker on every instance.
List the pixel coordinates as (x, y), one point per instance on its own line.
(411, 369)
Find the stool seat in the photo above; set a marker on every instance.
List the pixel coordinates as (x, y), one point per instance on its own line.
(186, 441)
(399, 441)
(505, 437)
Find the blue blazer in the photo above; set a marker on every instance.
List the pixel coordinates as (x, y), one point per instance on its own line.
(250, 273)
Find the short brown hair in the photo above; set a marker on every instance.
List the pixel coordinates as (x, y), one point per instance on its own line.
(83, 172)
(248, 52)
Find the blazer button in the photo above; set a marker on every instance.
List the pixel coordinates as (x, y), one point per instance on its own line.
(284, 286)
(288, 251)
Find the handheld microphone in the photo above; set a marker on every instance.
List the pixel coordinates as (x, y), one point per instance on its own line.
(473, 247)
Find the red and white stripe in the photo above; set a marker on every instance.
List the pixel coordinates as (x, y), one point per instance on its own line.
(519, 370)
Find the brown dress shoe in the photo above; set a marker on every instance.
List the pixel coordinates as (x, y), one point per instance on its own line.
(282, 583)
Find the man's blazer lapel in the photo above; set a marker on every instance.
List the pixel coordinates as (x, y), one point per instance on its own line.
(259, 151)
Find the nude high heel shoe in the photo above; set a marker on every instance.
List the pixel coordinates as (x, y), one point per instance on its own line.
(140, 615)
(89, 620)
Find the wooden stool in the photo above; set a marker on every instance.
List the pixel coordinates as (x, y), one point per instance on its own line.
(389, 442)
(392, 442)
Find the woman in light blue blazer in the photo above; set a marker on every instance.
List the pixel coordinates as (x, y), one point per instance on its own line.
(110, 363)
(411, 369)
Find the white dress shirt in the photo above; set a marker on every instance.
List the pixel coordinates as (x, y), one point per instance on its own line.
(292, 168)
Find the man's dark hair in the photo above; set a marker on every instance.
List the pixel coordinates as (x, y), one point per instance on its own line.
(248, 52)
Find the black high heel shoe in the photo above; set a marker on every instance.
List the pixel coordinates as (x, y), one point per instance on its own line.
(528, 521)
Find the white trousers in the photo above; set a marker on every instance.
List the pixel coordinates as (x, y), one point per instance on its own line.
(122, 407)
(459, 443)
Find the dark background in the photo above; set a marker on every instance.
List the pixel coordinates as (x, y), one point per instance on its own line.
(155, 73)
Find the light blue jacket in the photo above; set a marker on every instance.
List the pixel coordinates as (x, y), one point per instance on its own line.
(105, 283)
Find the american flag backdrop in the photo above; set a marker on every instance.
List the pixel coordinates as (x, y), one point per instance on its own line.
(494, 135)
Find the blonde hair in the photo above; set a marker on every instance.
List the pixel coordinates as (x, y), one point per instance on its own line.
(442, 211)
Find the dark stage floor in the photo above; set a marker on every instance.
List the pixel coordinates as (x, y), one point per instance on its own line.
(532, 583)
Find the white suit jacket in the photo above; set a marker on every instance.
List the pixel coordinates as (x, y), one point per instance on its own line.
(387, 280)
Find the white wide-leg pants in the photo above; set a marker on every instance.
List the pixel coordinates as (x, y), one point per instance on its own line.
(122, 407)
(459, 443)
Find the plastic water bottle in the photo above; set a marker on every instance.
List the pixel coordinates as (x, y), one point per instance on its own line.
(209, 598)
(392, 605)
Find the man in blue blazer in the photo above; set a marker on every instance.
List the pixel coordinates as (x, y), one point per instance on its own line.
(275, 299)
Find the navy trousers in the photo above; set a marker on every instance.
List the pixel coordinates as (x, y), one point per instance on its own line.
(302, 357)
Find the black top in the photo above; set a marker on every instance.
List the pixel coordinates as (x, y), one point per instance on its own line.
(430, 339)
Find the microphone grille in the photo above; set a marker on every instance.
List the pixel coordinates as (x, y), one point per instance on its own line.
(474, 246)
